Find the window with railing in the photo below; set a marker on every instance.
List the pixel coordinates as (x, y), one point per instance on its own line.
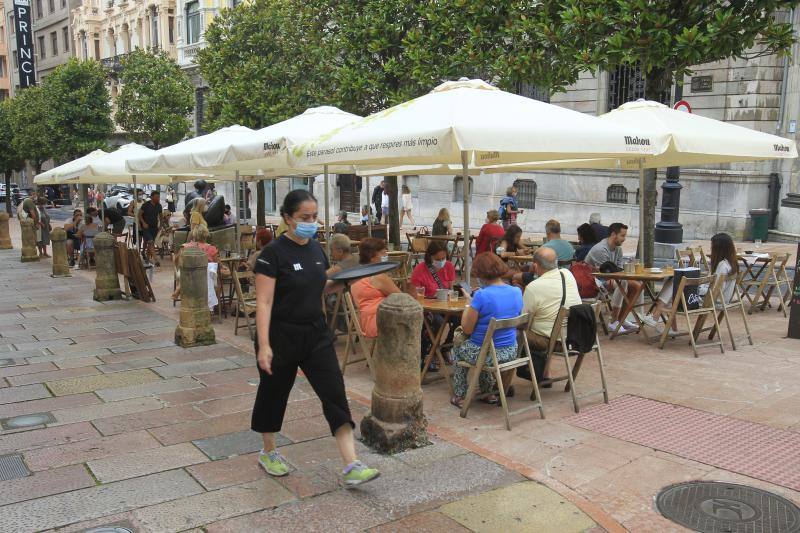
(526, 194)
(617, 194)
(458, 189)
(65, 35)
(42, 52)
(51, 5)
(192, 22)
(54, 42)
(529, 90)
(627, 83)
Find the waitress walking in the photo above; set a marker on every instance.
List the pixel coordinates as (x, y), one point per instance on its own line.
(292, 334)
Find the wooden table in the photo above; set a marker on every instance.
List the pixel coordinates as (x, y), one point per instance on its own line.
(446, 310)
(646, 277)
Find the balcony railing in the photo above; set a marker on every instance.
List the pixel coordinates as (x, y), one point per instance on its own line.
(188, 53)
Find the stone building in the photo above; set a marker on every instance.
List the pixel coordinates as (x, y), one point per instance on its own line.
(5, 67)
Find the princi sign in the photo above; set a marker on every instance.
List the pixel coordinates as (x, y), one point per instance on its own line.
(24, 31)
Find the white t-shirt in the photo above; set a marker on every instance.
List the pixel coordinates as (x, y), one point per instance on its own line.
(384, 201)
(724, 268)
(408, 203)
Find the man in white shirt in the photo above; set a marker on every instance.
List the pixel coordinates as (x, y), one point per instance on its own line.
(542, 297)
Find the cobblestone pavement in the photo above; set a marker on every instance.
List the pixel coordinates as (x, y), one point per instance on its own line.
(155, 437)
(109, 423)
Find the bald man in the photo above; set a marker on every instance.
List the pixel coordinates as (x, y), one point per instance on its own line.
(543, 296)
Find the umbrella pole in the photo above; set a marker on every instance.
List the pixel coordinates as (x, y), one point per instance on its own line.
(641, 210)
(136, 215)
(236, 203)
(103, 210)
(369, 210)
(465, 193)
(327, 214)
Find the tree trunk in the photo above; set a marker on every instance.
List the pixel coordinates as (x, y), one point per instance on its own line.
(261, 193)
(657, 81)
(394, 213)
(8, 194)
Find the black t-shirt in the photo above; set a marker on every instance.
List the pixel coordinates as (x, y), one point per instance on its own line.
(150, 213)
(113, 216)
(299, 272)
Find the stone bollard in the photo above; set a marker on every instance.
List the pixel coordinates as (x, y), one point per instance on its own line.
(106, 284)
(194, 328)
(396, 421)
(29, 252)
(58, 238)
(5, 235)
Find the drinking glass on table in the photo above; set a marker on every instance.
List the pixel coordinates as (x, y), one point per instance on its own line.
(758, 244)
(420, 293)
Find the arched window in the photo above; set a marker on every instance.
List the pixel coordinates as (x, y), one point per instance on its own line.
(458, 195)
(526, 193)
(617, 194)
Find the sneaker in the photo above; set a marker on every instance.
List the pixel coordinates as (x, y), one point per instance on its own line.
(650, 321)
(612, 327)
(357, 473)
(660, 330)
(274, 463)
(628, 325)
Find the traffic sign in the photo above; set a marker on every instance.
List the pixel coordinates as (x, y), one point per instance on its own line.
(682, 105)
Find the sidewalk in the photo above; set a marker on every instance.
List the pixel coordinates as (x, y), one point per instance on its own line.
(141, 434)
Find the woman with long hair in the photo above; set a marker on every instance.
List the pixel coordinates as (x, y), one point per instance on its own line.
(511, 243)
(196, 217)
(407, 205)
(442, 225)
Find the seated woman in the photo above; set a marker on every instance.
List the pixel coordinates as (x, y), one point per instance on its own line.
(263, 238)
(511, 243)
(368, 293)
(73, 241)
(442, 225)
(435, 272)
(199, 239)
(491, 232)
(587, 240)
(494, 299)
(723, 262)
(196, 217)
(87, 234)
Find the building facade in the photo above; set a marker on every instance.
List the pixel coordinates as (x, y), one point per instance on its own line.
(5, 67)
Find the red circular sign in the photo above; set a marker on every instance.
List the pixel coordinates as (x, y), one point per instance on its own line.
(682, 105)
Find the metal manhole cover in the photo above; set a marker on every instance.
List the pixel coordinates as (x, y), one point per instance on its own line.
(119, 527)
(12, 467)
(712, 507)
(23, 421)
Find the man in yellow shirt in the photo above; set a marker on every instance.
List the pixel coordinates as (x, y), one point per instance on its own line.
(542, 296)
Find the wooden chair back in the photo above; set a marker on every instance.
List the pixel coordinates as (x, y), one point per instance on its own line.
(734, 303)
(246, 302)
(705, 307)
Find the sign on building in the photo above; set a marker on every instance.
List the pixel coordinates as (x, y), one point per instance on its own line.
(24, 31)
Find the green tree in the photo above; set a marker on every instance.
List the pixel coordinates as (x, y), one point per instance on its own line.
(33, 136)
(10, 160)
(80, 108)
(666, 38)
(155, 100)
(266, 61)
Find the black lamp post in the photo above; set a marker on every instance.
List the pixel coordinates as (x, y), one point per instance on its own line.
(669, 230)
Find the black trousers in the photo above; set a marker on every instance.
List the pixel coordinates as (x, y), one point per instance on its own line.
(310, 348)
(378, 212)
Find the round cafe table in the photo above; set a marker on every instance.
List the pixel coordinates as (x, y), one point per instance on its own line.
(447, 310)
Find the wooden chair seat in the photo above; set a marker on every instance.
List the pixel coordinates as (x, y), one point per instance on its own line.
(735, 304)
(246, 303)
(705, 309)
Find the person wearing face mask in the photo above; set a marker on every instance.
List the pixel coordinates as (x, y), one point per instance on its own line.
(291, 333)
(436, 272)
(494, 299)
(368, 293)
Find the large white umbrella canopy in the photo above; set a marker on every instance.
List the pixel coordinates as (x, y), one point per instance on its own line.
(54, 175)
(472, 116)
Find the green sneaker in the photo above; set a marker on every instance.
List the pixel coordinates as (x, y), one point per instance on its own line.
(357, 473)
(274, 463)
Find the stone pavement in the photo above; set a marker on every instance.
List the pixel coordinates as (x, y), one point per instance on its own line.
(109, 423)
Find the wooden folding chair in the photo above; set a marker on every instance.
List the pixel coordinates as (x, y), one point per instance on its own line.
(703, 262)
(779, 282)
(735, 303)
(764, 286)
(176, 277)
(401, 274)
(355, 335)
(783, 279)
(246, 302)
(558, 347)
(417, 246)
(682, 257)
(496, 369)
(705, 308)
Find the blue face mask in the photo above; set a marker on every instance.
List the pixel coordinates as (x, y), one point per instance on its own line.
(438, 265)
(306, 230)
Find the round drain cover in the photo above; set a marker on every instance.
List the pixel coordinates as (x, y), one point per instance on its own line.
(711, 507)
(28, 420)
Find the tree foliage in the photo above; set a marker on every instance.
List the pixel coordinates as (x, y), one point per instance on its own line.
(80, 108)
(266, 61)
(155, 100)
(33, 136)
(10, 159)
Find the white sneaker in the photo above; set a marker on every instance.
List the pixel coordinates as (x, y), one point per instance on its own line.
(650, 321)
(629, 325)
(660, 330)
(612, 327)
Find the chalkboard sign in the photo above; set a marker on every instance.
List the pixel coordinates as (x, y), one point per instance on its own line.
(794, 312)
(693, 298)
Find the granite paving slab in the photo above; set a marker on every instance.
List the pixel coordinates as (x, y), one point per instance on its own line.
(102, 381)
(45, 484)
(202, 509)
(228, 472)
(429, 521)
(224, 406)
(201, 429)
(40, 438)
(17, 370)
(239, 443)
(24, 393)
(47, 404)
(105, 410)
(148, 389)
(132, 364)
(148, 419)
(54, 375)
(89, 449)
(142, 346)
(139, 463)
(195, 368)
(76, 362)
(94, 502)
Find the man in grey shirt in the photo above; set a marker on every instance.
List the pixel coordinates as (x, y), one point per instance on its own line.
(610, 249)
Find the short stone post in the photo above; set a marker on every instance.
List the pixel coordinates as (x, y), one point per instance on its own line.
(5, 235)
(396, 421)
(106, 284)
(194, 328)
(58, 238)
(29, 252)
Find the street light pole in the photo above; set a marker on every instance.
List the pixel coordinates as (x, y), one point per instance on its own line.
(669, 230)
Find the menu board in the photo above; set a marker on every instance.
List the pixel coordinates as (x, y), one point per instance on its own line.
(794, 311)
